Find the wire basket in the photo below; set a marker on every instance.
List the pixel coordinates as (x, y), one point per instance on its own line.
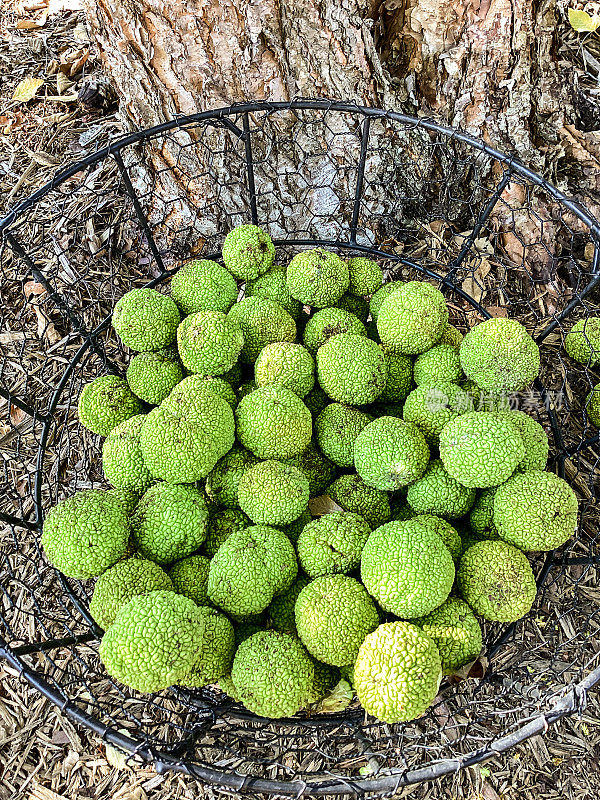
(425, 201)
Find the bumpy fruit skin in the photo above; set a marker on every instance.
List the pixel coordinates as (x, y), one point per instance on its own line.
(448, 534)
(250, 568)
(154, 641)
(273, 422)
(500, 356)
(317, 469)
(456, 633)
(326, 678)
(215, 656)
(412, 319)
(481, 518)
(430, 408)
(145, 319)
(398, 379)
(366, 276)
(334, 613)
(178, 451)
(480, 449)
(497, 581)
(336, 429)
(451, 335)
(217, 386)
(437, 492)
(294, 530)
(122, 460)
(441, 364)
(86, 533)
(195, 401)
(351, 369)
(287, 364)
(190, 578)
(105, 403)
(261, 322)
(317, 277)
(332, 544)
(535, 511)
(203, 285)
(223, 481)
(152, 375)
(316, 401)
(282, 609)
(534, 439)
(382, 294)
(397, 672)
(351, 493)
(407, 568)
(592, 406)
(169, 522)
(272, 674)
(273, 493)
(273, 286)
(209, 342)
(248, 252)
(329, 322)
(123, 581)
(220, 527)
(390, 453)
(583, 341)
(129, 498)
(354, 305)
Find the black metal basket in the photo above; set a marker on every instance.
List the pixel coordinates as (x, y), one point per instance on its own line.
(422, 199)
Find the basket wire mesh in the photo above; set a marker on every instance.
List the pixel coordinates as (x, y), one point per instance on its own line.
(427, 202)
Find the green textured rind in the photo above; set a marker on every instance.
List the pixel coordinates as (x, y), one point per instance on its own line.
(152, 375)
(105, 403)
(497, 581)
(169, 522)
(451, 335)
(123, 581)
(431, 408)
(412, 319)
(273, 493)
(223, 481)
(481, 518)
(354, 305)
(273, 286)
(261, 322)
(592, 406)
(329, 322)
(153, 641)
(500, 356)
(398, 379)
(209, 342)
(250, 568)
(481, 449)
(287, 364)
(85, 534)
(334, 613)
(332, 544)
(247, 387)
(195, 401)
(381, 295)
(203, 285)
(190, 578)
(366, 276)
(316, 401)
(534, 439)
(273, 422)
(336, 429)
(317, 468)
(317, 278)
(215, 655)
(248, 252)
(326, 678)
(272, 674)
(535, 511)
(583, 341)
(447, 533)
(282, 609)
(407, 568)
(220, 527)
(390, 453)
(176, 450)
(294, 530)
(437, 492)
(456, 633)
(351, 369)
(441, 364)
(122, 460)
(351, 493)
(208, 383)
(145, 319)
(128, 498)
(397, 672)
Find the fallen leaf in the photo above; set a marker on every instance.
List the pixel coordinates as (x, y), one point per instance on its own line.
(77, 65)
(116, 758)
(62, 83)
(581, 21)
(45, 327)
(27, 89)
(32, 24)
(319, 506)
(17, 415)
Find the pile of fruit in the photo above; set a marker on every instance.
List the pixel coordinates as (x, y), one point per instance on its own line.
(309, 497)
